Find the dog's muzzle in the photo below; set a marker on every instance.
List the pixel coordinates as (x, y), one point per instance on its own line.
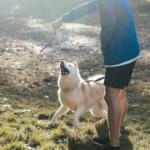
(64, 70)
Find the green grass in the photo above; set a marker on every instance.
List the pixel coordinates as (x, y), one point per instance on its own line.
(18, 130)
(31, 84)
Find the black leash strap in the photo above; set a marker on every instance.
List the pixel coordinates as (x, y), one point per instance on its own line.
(49, 42)
(99, 79)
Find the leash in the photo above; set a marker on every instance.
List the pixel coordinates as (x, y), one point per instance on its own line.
(99, 79)
(49, 42)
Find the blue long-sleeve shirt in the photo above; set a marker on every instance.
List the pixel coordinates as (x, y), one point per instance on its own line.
(119, 42)
(81, 11)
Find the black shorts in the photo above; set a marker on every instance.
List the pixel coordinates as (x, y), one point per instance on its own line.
(119, 77)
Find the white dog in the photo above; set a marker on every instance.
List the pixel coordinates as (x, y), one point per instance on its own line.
(79, 96)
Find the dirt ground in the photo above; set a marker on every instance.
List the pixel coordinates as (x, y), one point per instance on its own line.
(22, 38)
(29, 78)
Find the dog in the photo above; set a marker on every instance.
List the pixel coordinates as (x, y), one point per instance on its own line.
(79, 96)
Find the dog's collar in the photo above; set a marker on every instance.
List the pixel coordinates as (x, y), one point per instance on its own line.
(69, 89)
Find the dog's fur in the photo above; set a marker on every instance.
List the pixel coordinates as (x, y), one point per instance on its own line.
(87, 96)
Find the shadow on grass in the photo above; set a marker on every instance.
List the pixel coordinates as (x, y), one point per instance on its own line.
(102, 131)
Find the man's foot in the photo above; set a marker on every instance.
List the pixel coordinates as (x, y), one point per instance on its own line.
(109, 147)
(102, 141)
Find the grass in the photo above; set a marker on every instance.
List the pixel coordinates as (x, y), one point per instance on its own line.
(19, 129)
(28, 79)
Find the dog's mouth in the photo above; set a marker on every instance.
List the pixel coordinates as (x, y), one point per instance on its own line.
(64, 70)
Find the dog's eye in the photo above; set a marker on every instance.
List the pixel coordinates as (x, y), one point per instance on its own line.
(70, 65)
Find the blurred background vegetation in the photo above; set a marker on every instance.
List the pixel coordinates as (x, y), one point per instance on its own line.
(28, 79)
(50, 10)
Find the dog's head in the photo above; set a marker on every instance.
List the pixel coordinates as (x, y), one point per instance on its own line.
(69, 74)
(68, 69)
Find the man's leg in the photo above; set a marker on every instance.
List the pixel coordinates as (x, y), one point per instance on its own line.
(123, 104)
(114, 114)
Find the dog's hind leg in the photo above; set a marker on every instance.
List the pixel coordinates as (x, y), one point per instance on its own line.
(104, 117)
(78, 112)
(62, 110)
(99, 111)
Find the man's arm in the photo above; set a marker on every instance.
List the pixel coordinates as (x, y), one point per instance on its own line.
(81, 11)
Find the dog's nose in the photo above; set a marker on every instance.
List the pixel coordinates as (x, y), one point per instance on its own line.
(62, 62)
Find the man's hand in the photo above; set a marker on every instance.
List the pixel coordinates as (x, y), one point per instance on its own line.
(57, 24)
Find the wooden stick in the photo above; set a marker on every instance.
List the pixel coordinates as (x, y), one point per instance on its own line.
(49, 42)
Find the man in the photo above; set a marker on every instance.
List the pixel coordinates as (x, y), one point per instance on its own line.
(120, 50)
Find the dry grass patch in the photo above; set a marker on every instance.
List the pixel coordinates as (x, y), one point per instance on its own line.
(28, 81)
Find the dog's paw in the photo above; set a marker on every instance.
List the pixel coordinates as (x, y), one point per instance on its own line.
(51, 126)
(76, 124)
(51, 123)
(102, 121)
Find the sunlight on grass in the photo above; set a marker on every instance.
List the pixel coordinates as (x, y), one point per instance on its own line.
(144, 14)
(14, 145)
(28, 79)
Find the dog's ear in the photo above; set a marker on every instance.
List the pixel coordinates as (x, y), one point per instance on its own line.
(75, 64)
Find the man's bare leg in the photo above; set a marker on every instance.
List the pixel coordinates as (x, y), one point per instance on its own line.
(114, 114)
(123, 104)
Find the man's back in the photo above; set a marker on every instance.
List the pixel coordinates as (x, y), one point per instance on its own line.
(118, 37)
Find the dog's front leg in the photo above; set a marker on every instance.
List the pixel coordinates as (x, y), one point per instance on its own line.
(59, 113)
(78, 112)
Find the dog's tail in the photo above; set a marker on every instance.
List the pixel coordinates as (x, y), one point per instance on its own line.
(96, 78)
